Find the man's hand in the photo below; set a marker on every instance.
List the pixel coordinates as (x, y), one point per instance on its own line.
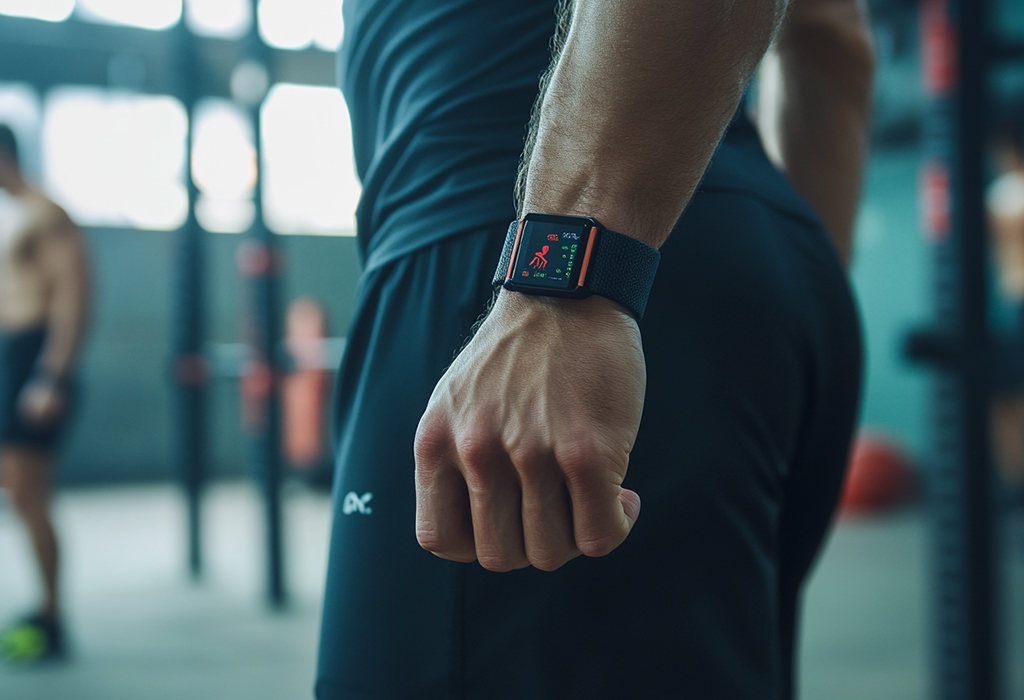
(41, 402)
(522, 450)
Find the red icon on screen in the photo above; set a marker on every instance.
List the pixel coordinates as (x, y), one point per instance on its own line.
(539, 261)
(525, 273)
(553, 237)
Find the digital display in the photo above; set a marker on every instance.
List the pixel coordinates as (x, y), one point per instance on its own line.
(550, 254)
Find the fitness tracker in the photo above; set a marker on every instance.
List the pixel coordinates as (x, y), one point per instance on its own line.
(574, 257)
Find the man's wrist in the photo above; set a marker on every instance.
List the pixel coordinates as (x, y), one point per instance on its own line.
(52, 378)
(557, 255)
(515, 303)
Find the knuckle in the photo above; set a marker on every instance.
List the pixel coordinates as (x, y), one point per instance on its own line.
(577, 460)
(450, 548)
(494, 562)
(530, 459)
(462, 557)
(548, 559)
(476, 450)
(431, 540)
(431, 440)
(599, 546)
(579, 448)
(500, 561)
(584, 458)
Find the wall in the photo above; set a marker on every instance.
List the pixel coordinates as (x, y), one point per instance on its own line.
(892, 280)
(122, 430)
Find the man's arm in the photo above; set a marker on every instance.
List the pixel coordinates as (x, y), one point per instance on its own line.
(814, 107)
(521, 453)
(1005, 204)
(637, 104)
(63, 260)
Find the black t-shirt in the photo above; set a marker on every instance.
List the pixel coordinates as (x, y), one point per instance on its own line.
(439, 93)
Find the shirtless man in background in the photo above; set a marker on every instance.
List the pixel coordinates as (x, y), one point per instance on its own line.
(43, 308)
(1005, 203)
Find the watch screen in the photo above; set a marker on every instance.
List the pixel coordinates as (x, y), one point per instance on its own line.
(550, 254)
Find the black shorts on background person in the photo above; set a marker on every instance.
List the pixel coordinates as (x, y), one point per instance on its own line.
(19, 356)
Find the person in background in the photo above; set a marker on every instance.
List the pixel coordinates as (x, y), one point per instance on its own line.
(44, 302)
(1005, 205)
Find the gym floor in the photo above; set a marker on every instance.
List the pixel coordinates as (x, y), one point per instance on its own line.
(140, 629)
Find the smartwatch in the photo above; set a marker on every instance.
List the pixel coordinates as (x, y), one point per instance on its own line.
(574, 257)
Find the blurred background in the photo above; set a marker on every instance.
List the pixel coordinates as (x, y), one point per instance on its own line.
(205, 151)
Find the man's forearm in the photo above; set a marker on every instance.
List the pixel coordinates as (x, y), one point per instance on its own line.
(637, 103)
(68, 312)
(815, 106)
(66, 329)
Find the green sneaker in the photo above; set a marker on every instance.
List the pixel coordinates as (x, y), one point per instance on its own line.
(32, 640)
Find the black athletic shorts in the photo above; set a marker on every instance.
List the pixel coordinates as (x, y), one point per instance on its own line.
(1008, 357)
(19, 352)
(753, 360)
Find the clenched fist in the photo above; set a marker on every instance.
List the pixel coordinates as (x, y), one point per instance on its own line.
(521, 452)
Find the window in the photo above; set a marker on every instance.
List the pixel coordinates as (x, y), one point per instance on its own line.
(298, 24)
(19, 109)
(149, 14)
(224, 19)
(116, 159)
(309, 180)
(223, 166)
(49, 10)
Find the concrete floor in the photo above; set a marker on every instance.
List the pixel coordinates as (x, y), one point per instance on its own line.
(140, 629)
(866, 632)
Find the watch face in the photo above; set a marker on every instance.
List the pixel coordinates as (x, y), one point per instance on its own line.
(550, 254)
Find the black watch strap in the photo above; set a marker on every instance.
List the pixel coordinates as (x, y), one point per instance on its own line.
(622, 268)
(506, 255)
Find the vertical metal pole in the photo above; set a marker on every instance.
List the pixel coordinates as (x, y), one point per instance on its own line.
(260, 262)
(954, 34)
(190, 372)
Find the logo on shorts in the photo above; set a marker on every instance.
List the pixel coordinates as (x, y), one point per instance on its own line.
(354, 503)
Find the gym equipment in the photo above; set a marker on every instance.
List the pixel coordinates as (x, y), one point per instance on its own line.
(880, 477)
(307, 387)
(190, 370)
(257, 362)
(958, 49)
(259, 260)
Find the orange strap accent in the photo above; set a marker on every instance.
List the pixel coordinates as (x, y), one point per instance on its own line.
(586, 257)
(515, 250)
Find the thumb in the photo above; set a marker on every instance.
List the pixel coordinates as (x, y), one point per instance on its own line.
(630, 501)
